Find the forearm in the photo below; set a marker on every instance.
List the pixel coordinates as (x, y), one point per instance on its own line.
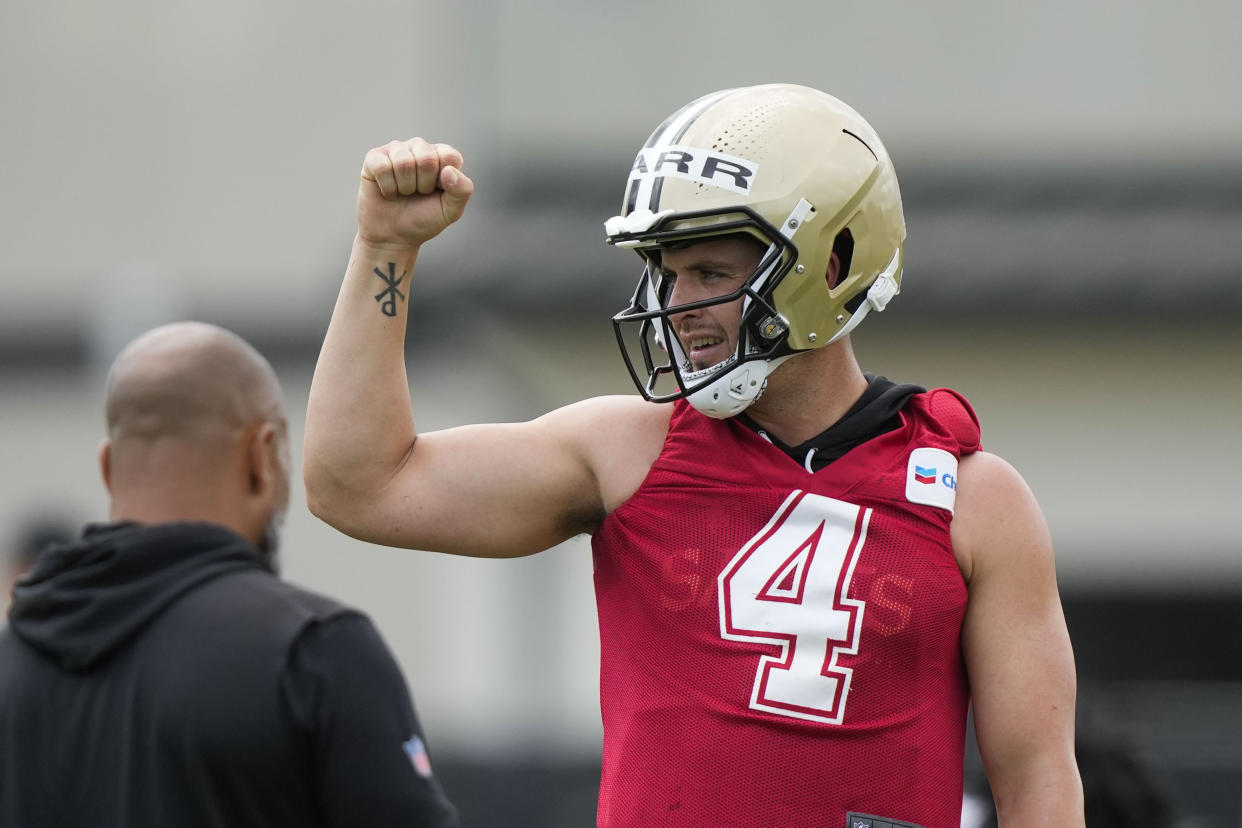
(1047, 795)
(359, 423)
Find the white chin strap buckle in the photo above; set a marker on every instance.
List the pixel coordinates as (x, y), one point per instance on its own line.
(883, 289)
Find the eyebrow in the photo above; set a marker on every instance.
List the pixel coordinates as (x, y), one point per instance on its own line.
(703, 264)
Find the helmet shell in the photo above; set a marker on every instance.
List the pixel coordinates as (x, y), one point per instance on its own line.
(767, 148)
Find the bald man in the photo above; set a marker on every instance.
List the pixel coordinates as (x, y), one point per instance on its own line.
(157, 672)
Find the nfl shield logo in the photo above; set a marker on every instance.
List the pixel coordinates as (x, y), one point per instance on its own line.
(417, 752)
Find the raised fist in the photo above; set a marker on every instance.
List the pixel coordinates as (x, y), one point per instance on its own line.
(410, 191)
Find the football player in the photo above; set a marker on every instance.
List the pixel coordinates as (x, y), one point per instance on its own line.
(805, 574)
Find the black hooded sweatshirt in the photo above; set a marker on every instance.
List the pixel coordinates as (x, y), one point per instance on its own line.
(876, 412)
(164, 676)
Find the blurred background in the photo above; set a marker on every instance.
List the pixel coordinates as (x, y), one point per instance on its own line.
(1072, 175)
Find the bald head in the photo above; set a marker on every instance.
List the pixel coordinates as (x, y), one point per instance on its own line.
(196, 431)
(192, 381)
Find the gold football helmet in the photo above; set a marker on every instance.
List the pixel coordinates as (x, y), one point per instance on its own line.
(801, 172)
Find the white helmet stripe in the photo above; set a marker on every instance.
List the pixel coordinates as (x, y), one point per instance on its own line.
(645, 190)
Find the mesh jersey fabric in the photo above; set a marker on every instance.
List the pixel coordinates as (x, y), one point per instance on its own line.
(780, 647)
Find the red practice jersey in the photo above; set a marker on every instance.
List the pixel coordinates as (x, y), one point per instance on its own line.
(779, 647)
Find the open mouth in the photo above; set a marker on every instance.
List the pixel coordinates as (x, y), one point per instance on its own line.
(705, 351)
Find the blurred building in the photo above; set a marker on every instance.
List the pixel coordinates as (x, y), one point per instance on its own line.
(1073, 185)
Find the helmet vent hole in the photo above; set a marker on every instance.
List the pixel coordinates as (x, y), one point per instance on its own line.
(750, 134)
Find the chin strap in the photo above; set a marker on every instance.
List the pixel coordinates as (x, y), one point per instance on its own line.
(734, 390)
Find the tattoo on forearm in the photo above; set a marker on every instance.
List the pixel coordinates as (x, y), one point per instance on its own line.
(388, 296)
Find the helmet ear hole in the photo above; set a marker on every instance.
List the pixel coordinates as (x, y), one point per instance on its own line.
(843, 249)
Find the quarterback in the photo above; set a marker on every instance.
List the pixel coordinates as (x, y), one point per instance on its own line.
(806, 575)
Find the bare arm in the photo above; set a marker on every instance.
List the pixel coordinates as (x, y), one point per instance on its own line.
(485, 490)
(1017, 648)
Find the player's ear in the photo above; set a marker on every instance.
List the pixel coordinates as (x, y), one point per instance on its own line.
(842, 255)
(105, 463)
(833, 274)
(261, 447)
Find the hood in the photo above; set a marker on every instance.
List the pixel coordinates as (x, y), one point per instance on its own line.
(875, 413)
(83, 601)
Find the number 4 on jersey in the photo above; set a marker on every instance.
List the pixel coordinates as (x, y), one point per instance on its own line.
(787, 587)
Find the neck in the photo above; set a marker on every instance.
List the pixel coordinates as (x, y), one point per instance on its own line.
(155, 509)
(809, 393)
(168, 481)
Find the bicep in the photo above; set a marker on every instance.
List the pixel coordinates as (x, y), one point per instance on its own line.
(493, 490)
(1014, 639)
(504, 490)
